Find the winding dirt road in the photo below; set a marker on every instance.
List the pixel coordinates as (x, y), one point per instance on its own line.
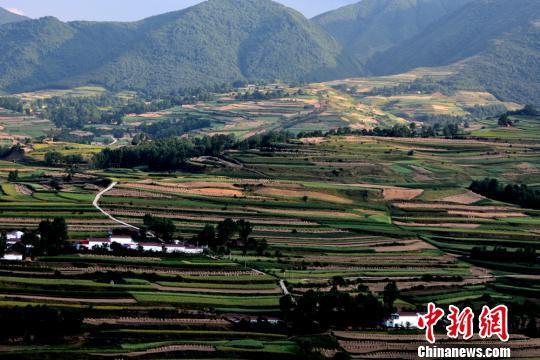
(95, 203)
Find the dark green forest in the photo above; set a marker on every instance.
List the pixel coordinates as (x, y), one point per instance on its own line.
(215, 42)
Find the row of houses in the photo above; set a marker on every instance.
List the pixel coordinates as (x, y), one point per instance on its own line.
(399, 320)
(128, 242)
(15, 237)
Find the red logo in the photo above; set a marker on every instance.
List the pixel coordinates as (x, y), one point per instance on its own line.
(461, 323)
(429, 321)
(492, 322)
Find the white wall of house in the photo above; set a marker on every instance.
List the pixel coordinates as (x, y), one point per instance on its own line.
(14, 237)
(152, 247)
(183, 250)
(122, 240)
(13, 257)
(97, 243)
(403, 321)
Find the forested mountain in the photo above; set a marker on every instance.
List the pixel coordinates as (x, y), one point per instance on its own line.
(510, 68)
(371, 26)
(214, 42)
(473, 29)
(495, 43)
(7, 17)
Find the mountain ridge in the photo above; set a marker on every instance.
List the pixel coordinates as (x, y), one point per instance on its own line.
(248, 39)
(7, 17)
(222, 41)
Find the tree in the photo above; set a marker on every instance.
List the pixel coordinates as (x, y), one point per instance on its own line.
(244, 230)
(504, 121)
(338, 281)
(251, 244)
(390, 294)
(53, 236)
(13, 176)
(262, 246)
(30, 238)
(163, 228)
(207, 236)
(53, 158)
(3, 244)
(55, 184)
(529, 110)
(286, 304)
(225, 231)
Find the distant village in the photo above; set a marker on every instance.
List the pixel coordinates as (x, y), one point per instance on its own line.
(14, 244)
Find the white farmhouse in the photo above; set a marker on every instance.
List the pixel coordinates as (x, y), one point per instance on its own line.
(91, 243)
(155, 247)
(184, 249)
(408, 320)
(124, 240)
(14, 237)
(13, 256)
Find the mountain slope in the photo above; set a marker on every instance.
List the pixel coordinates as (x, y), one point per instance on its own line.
(469, 31)
(510, 69)
(214, 42)
(7, 17)
(372, 26)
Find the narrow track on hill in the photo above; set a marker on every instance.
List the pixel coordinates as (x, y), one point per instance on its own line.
(95, 203)
(284, 287)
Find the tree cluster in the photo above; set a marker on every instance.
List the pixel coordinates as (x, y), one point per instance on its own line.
(502, 254)
(7, 151)
(260, 95)
(11, 103)
(528, 110)
(449, 130)
(49, 239)
(76, 112)
(230, 234)
(174, 127)
(518, 194)
(319, 311)
(168, 154)
(425, 85)
(55, 158)
(505, 121)
(163, 228)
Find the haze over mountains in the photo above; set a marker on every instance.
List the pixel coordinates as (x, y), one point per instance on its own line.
(495, 43)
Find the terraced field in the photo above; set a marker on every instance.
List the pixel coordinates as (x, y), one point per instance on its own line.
(413, 104)
(149, 305)
(393, 346)
(365, 209)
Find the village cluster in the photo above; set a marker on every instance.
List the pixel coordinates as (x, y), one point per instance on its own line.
(126, 241)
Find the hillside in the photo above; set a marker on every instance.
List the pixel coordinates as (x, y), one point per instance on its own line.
(466, 32)
(509, 69)
(7, 17)
(493, 40)
(371, 26)
(248, 39)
